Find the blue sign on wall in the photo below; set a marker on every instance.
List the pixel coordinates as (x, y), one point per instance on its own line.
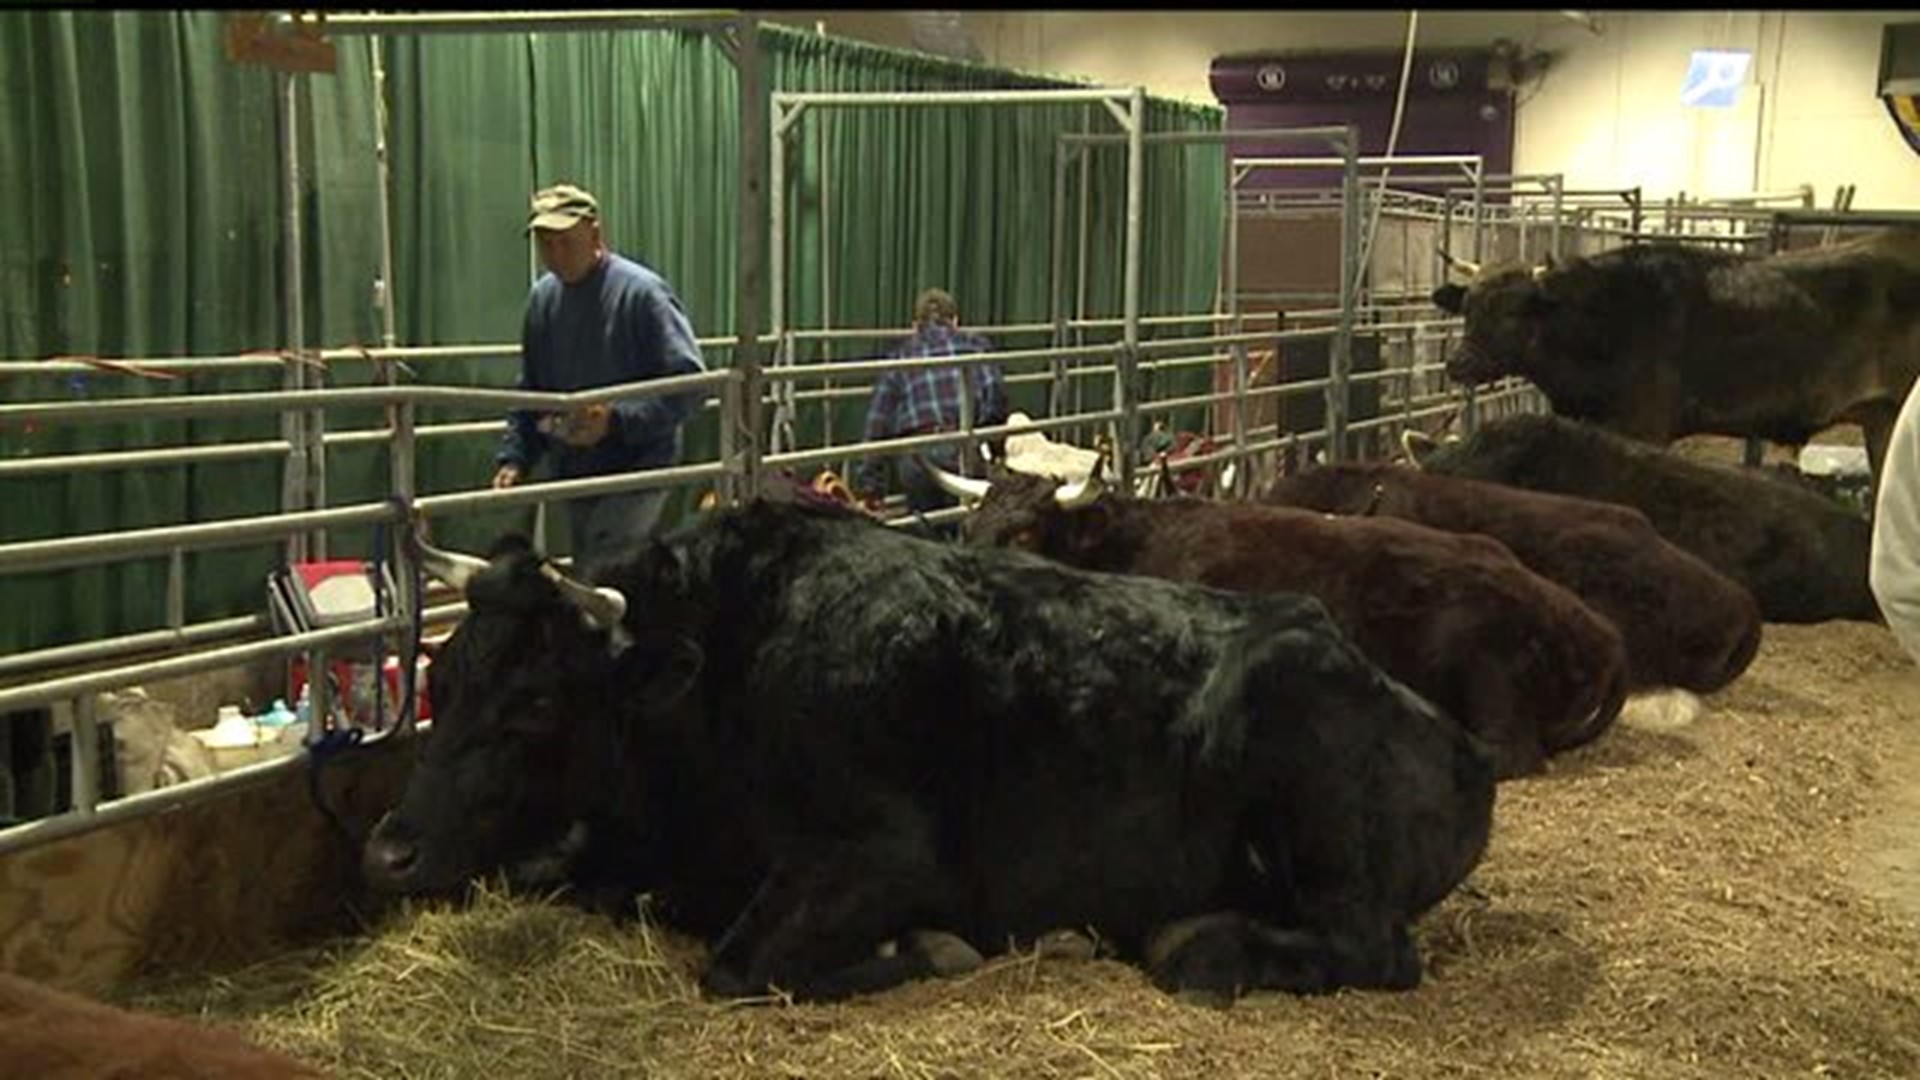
(1714, 78)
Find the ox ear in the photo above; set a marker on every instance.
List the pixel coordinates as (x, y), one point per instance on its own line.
(1450, 298)
(664, 671)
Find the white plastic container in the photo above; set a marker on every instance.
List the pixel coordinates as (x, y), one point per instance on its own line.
(234, 740)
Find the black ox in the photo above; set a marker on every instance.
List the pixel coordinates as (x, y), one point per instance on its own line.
(1684, 624)
(808, 735)
(1802, 555)
(1661, 340)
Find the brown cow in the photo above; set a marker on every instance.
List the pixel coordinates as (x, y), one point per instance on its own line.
(1685, 624)
(1661, 340)
(1516, 659)
(50, 1035)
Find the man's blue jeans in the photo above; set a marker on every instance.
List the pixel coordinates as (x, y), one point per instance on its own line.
(604, 526)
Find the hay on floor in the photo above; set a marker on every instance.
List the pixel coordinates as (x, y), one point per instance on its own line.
(1668, 902)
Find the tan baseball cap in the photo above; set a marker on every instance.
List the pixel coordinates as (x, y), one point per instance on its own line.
(562, 206)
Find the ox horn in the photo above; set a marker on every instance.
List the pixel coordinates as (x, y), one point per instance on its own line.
(1416, 445)
(964, 487)
(451, 567)
(603, 607)
(1082, 493)
(1471, 269)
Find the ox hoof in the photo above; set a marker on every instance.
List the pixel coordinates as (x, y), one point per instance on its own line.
(945, 953)
(1205, 999)
(1066, 945)
(720, 981)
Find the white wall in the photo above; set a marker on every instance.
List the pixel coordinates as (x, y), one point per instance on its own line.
(1607, 115)
(1826, 124)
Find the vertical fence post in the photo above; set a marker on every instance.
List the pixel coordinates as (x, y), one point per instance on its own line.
(1127, 372)
(295, 486)
(84, 745)
(759, 141)
(1340, 359)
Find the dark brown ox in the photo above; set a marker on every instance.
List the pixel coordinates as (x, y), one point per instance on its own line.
(1662, 340)
(1684, 624)
(1801, 554)
(1516, 659)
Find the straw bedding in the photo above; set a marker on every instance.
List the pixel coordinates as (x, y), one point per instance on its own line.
(1730, 896)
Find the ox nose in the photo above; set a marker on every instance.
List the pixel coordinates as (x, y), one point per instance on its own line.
(389, 860)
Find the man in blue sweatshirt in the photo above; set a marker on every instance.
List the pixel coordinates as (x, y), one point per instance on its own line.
(597, 319)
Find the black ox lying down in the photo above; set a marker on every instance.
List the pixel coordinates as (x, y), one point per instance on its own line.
(808, 735)
(1802, 555)
(1685, 624)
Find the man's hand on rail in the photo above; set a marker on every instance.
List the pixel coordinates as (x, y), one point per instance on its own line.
(583, 427)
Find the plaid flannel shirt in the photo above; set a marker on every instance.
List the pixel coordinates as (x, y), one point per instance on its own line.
(928, 399)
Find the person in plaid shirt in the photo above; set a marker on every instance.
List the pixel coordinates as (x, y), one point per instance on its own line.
(926, 400)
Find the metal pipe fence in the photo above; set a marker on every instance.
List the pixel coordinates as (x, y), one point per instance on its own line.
(1225, 339)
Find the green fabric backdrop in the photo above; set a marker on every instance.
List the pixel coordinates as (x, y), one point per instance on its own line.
(140, 215)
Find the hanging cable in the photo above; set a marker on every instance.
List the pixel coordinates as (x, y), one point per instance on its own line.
(1393, 141)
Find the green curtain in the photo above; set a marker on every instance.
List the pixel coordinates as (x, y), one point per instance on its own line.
(140, 215)
(886, 201)
(459, 142)
(133, 222)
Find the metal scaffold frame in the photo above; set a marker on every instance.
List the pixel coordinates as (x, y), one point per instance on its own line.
(1128, 108)
(744, 390)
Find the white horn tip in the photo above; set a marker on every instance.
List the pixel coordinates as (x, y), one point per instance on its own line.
(616, 600)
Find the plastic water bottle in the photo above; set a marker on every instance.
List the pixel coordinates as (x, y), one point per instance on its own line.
(233, 728)
(277, 717)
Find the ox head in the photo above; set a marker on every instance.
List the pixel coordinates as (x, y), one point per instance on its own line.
(1507, 309)
(529, 696)
(1021, 510)
(1031, 453)
(1352, 490)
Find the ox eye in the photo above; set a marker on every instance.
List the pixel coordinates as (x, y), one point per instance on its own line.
(1027, 538)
